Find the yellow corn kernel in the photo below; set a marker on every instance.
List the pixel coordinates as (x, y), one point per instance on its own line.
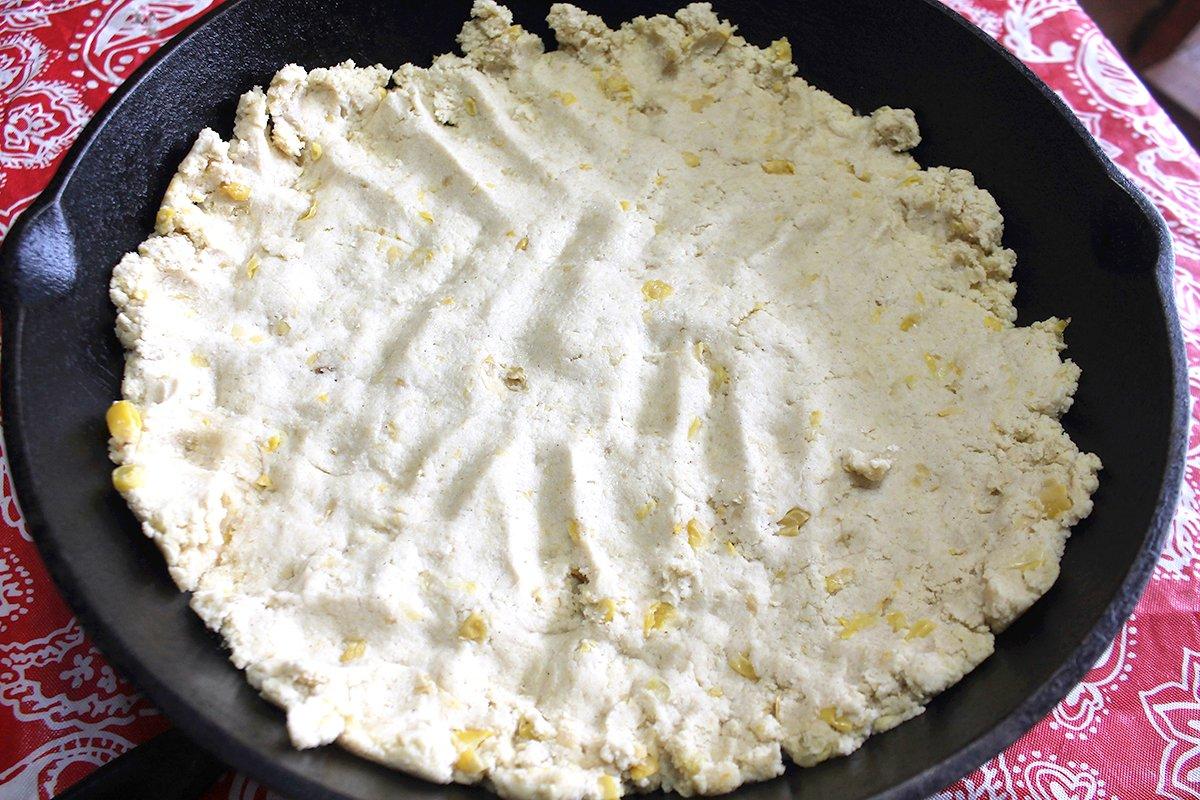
(252, 266)
(124, 421)
(646, 509)
(469, 737)
(315, 151)
(791, 522)
(909, 321)
(574, 530)
(696, 533)
(741, 664)
(163, 219)
(657, 617)
(468, 761)
(896, 620)
(778, 166)
(567, 98)
(264, 482)
(656, 290)
(465, 741)
(281, 327)
(473, 628)
(128, 477)
(700, 351)
(645, 768)
(1028, 563)
(731, 548)
(781, 49)
(585, 646)
(526, 729)
(515, 380)
(584, 166)
(716, 691)
(719, 378)
(616, 87)
(425, 215)
(322, 398)
(625, 205)
(920, 629)
(993, 323)
(814, 419)
(910, 381)
(238, 192)
(855, 623)
(836, 581)
(272, 443)
(353, 649)
(1060, 325)
(523, 243)
(198, 360)
(911, 180)
(312, 210)
(702, 102)
(609, 788)
(470, 107)
(608, 609)
(690, 158)
(659, 687)
(1054, 499)
(694, 428)
(835, 719)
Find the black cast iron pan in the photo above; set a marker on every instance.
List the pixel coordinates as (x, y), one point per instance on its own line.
(1090, 247)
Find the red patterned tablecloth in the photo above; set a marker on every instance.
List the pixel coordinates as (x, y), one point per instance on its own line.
(1130, 730)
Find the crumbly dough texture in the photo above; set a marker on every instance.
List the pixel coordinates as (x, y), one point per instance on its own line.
(583, 422)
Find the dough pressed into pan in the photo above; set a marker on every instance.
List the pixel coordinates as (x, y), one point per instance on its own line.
(582, 422)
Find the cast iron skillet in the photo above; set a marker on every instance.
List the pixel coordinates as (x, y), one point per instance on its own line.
(1090, 247)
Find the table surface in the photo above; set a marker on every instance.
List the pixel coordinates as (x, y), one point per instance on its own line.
(1130, 730)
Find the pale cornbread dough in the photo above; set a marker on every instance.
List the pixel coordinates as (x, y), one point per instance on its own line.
(583, 422)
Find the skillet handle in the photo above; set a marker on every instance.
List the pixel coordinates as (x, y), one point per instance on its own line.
(39, 260)
(168, 767)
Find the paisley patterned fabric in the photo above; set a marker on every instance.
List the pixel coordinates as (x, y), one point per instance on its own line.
(1129, 730)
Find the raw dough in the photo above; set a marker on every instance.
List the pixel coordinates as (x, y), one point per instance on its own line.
(583, 422)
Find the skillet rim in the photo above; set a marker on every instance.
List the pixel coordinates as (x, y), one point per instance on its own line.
(249, 759)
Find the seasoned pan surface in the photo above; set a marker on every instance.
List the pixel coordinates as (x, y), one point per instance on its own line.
(1089, 247)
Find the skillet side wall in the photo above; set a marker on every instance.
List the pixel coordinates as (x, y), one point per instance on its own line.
(1086, 249)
